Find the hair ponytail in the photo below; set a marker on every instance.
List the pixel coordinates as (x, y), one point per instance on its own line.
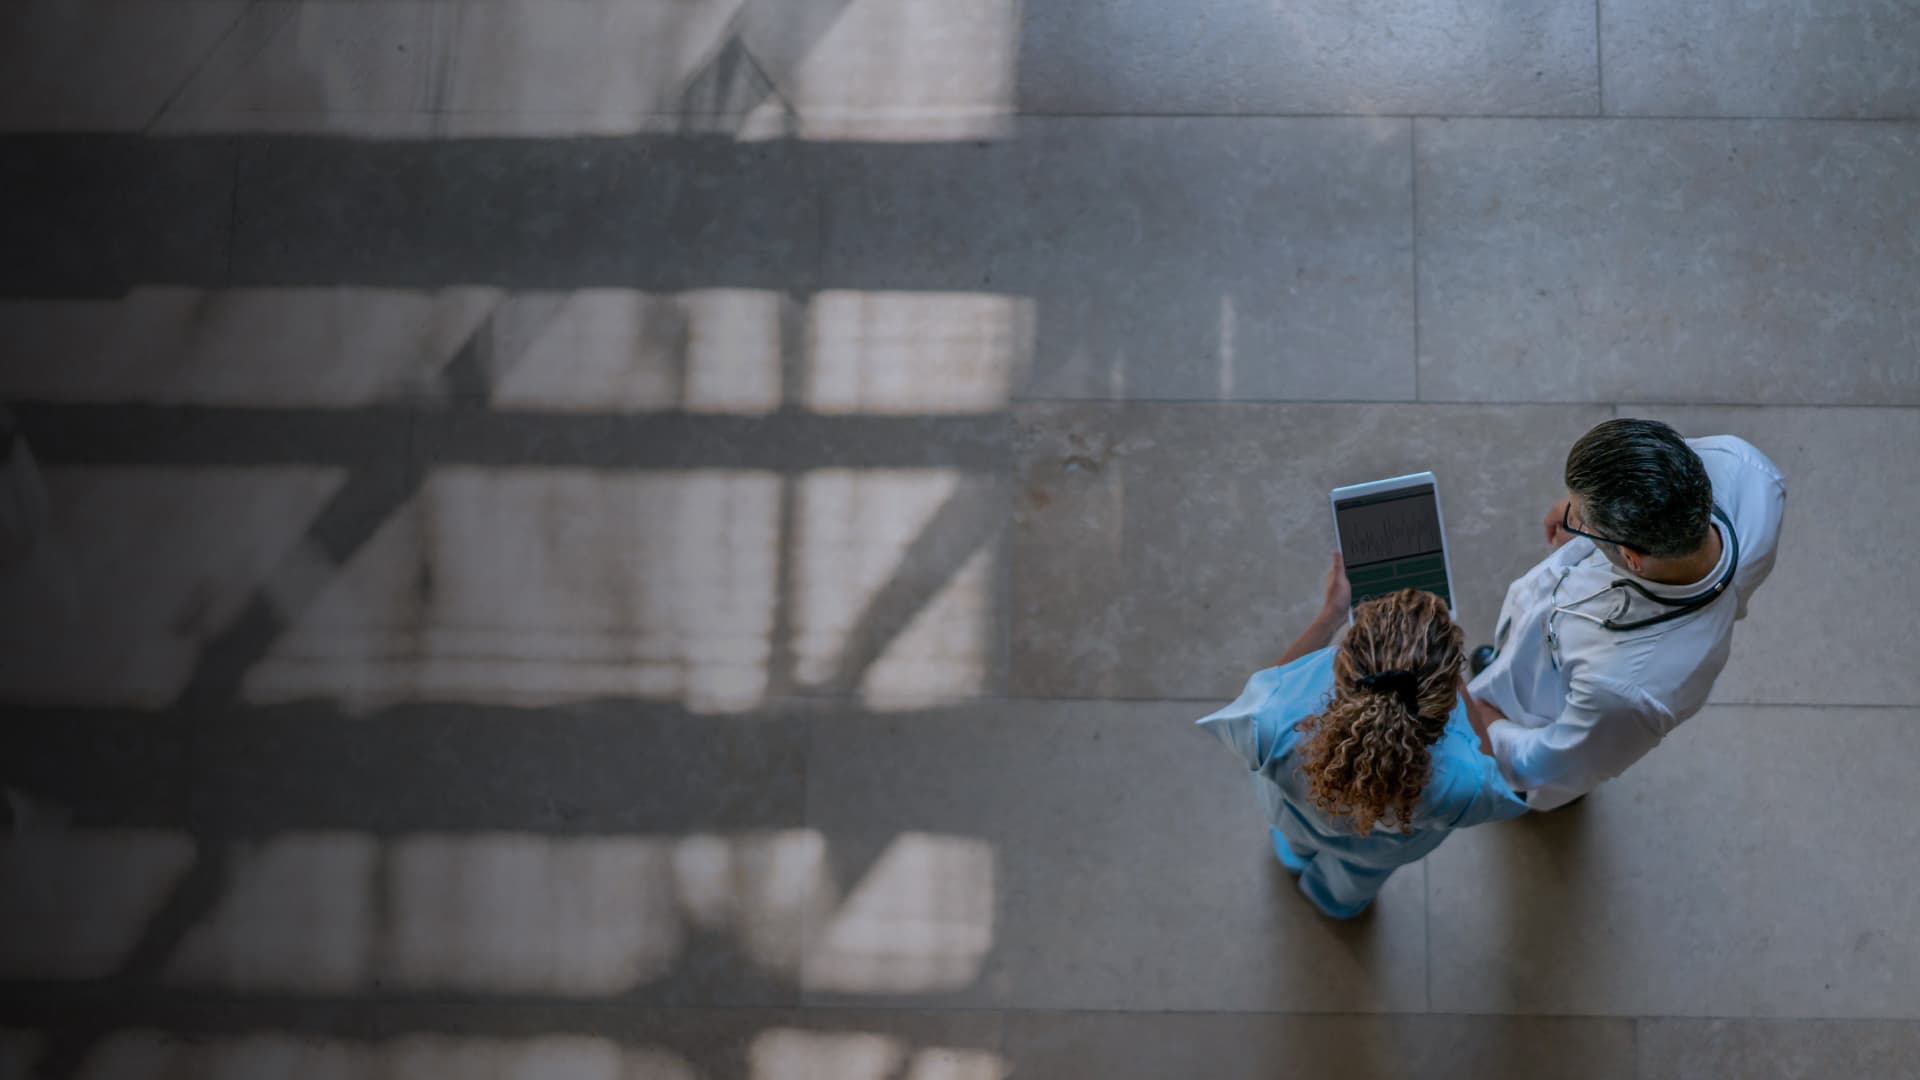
(1395, 679)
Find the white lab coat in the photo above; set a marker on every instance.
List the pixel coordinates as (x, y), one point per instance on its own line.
(1615, 694)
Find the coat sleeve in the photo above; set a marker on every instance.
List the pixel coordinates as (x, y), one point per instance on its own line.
(1604, 727)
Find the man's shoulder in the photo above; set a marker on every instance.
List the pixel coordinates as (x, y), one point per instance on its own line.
(1734, 452)
(1748, 485)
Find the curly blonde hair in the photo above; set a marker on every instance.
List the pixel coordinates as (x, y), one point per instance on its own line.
(1366, 756)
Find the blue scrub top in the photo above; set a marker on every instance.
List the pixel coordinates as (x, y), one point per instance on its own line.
(1465, 787)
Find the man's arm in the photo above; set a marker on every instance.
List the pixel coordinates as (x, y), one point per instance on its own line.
(1600, 732)
(1334, 604)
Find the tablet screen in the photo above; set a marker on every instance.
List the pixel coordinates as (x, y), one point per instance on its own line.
(1391, 541)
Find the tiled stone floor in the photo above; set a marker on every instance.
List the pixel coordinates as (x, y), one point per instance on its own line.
(681, 538)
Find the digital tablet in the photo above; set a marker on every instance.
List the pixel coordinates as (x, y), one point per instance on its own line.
(1392, 537)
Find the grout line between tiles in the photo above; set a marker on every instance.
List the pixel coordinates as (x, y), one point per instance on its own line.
(1413, 220)
(1599, 64)
(1480, 404)
(1451, 116)
(1005, 1037)
(820, 701)
(648, 118)
(627, 1008)
(1426, 925)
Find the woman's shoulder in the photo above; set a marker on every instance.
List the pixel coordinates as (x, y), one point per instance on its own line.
(1260, 721)
(1314, 670)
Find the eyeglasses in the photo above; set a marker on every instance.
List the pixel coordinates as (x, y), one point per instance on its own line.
(1566, 522)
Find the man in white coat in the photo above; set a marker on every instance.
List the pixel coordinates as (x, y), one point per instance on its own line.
(1615, 638)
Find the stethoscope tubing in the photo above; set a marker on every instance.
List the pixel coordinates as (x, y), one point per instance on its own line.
(1680, 605)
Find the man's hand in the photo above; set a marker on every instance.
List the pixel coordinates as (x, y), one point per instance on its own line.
(1555, 534)
(1481, 716)
(1339, 592)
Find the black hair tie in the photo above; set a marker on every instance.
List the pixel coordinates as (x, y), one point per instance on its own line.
(1400, 683)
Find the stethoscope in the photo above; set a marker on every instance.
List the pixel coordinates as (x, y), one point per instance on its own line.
(1676, 605)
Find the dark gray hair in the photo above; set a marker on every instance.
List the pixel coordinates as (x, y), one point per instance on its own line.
(1641, 484)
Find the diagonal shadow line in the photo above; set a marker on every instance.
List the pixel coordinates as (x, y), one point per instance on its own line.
(254, 26)
(192, 900)
(794, 371)
(368, 500)
(513, 325)
(730, 84)
(969, 520)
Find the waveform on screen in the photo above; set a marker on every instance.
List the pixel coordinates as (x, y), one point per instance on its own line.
(1394, 531)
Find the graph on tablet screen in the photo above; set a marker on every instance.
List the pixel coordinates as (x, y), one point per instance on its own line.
(1392, 541)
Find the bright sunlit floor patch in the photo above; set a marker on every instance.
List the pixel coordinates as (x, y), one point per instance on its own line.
(535, 586)
(908, 354)
(524, 913)
(549, 585)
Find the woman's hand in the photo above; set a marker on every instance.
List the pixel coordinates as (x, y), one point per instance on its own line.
(1339, 592)
(1333, 615)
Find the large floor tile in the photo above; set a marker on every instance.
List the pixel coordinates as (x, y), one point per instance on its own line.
(1533, 57)
(1722, 58)
(1168, 551)
(1707, 261)
(509, 68)
(605, 768)
(1826, 627)
(1076, 855)
(816, 69)
(715, 564)
(601, 353)
(1777, 1049)
(330, 348)
(1132, 1046)
(655, 213)
(1756, 864)
(1189, 258)
(101, 65)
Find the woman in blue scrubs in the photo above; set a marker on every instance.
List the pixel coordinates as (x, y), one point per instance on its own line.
(1363, 754)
